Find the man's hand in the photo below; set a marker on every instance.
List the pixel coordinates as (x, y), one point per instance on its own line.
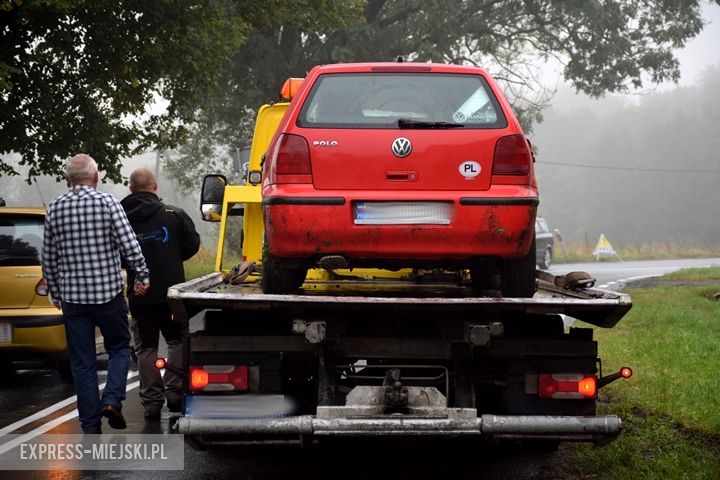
(58, 304)
(141, 288)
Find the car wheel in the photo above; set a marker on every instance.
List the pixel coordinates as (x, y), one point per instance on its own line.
(518, 275)
(278, 277)
(546, 259)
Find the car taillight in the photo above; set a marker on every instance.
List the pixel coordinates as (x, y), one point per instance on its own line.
(567, 386)
(41, 288)
(512, 156)
(291, 160)
(219, 378)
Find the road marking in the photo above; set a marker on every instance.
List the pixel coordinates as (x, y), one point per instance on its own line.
(628, 279)
(6, 447)
(52, 409)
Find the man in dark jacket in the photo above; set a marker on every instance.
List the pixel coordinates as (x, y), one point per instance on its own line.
(167, 237)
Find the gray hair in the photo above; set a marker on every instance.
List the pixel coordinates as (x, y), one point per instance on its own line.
(80, 167)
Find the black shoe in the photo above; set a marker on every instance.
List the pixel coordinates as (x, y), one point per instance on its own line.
(152, 414)
(175, 407)
(96, 431)
(114, 416)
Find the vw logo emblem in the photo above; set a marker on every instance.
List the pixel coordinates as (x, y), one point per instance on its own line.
(401, 147)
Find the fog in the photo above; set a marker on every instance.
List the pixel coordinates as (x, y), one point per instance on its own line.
(643, 167)
(17, 192)
(639, 168)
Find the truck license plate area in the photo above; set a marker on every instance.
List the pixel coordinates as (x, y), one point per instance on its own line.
(403, 213)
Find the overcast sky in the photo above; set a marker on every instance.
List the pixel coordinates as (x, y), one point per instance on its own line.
(703, 50)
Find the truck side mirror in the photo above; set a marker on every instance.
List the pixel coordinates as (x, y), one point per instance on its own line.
(211, 198)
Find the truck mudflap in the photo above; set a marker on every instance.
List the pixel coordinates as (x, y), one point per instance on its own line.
(456, 422)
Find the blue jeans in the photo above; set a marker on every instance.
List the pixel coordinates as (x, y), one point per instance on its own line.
(80, 323)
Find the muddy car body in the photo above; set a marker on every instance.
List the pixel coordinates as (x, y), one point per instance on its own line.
(393, 165)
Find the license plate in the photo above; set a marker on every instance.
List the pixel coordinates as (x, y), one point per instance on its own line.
(5, 332)
(403, 213)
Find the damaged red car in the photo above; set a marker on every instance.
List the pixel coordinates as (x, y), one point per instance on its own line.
(394, 165)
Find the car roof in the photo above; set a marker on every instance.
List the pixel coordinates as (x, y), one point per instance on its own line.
(22, 210)
(392, 67)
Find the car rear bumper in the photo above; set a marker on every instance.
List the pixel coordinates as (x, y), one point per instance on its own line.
(35, 333)
(498, 222)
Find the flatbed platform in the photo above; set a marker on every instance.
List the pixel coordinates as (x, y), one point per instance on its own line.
(598, 307)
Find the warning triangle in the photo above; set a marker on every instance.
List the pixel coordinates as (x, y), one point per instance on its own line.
(604, 247)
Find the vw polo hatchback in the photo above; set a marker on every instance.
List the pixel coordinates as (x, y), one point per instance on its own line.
(393, 165)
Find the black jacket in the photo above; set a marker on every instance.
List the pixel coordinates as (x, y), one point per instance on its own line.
(167, 237)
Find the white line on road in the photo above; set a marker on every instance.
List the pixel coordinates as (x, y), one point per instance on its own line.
(626, 280)
(46, 427)
(51, 409)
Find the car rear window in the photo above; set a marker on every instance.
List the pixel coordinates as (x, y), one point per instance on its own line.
(380, 100)
(21, 238)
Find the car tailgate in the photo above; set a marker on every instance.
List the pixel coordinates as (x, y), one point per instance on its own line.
(439, 159)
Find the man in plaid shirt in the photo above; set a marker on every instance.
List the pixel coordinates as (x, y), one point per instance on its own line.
(86, 233)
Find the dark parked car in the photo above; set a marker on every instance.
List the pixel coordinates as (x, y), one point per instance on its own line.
(544, 243)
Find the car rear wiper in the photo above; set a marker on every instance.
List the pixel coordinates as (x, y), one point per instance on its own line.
(407, 123)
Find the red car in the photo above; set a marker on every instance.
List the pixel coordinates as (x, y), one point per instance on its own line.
(392, 165)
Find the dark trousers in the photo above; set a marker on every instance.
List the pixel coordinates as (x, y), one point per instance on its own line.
(148, 322)
(80, 322)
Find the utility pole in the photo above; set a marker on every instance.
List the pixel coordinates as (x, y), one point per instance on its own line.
(158, 157)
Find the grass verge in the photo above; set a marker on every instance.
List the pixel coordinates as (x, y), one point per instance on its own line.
(671, 406)
(571, 252)
(201, 264)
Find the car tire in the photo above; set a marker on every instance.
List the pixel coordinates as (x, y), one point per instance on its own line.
(518, 275)
(546, 259)
(278, 277)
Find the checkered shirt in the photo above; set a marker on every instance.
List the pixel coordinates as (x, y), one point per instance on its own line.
(86, 232)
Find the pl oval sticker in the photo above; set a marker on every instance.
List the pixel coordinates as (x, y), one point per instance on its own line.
(469, 169)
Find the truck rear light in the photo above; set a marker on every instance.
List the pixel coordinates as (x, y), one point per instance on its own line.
(290, 161)
(569, 386)
(41, 288)
(512, 156)
(219, 378)
(625, 372)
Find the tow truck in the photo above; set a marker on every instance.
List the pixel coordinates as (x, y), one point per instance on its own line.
(367, 352)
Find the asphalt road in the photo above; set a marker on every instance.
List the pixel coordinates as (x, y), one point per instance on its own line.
(36, 401)
(615, 275)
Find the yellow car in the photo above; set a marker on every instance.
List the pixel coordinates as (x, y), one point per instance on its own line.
(31, 328)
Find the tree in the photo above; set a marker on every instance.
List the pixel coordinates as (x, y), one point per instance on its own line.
(608, 46)
(81, 75)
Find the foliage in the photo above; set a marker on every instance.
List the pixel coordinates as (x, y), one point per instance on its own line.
(77, 75)
(80, 75)
(605, 47)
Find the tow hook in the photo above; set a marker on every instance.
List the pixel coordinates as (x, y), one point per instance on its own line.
(396, 396)
(625, 372)
(569, 281)
(161, 363)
